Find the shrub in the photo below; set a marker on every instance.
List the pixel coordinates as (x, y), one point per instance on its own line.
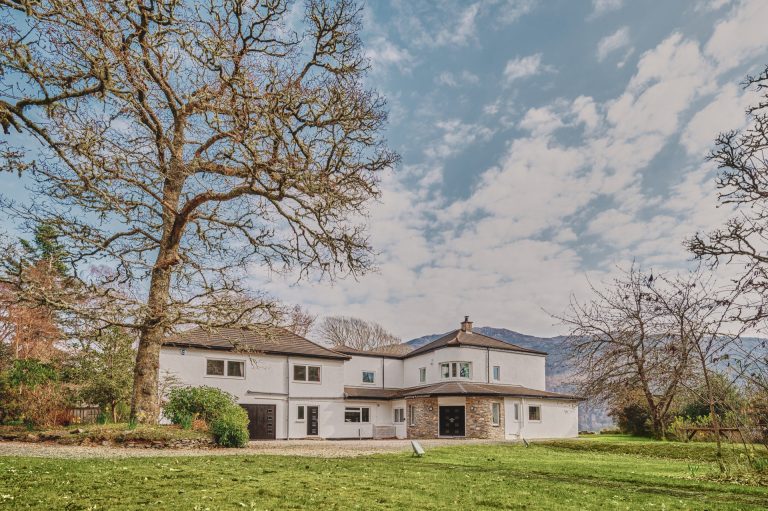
(205, 403)
(185, 421)
(230, 429)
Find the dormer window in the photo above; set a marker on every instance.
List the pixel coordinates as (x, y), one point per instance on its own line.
(456, 369)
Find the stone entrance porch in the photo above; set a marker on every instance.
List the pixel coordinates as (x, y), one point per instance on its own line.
(423, 416)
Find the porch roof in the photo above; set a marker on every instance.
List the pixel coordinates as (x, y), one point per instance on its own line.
(454, 388)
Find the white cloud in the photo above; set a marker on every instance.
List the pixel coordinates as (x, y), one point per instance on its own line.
(510, 11)
(740, 36)
(450, 79)
(522, 67)
(600, 7)
(613, 42)
(455, 136)
(541, 121)
(382, 54)
(727, 111)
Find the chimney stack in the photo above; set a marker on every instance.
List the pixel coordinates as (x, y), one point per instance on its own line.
(466, 325)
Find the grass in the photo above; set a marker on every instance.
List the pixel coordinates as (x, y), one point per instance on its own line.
(579, 474)
(118, 433)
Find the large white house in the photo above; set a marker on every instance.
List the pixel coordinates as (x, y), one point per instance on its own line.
(463, 384)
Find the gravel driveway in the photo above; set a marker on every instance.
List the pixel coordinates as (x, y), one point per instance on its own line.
(316, 448)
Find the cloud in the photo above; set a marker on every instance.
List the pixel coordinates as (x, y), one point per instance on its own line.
(600, 7)
(450, 79)
(740, 36)
(453, 23)
(613, 42)
(510, 11)
(382, 54)
(456, 136)
(523, 67)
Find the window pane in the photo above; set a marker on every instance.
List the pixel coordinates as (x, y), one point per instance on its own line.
(445, 369)
(300, 413)
(517, 412)
(422, 375)
(300, 373)
(314, 373)
(453, 369)
(496, 372)
(464, 370)
(366, 415)
(234, 368)
(495, 412)
(412, 415)
(368, 377)
(534, 413)
(352, 415)
(214, 367)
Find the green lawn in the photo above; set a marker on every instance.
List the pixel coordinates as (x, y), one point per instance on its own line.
(580, 474)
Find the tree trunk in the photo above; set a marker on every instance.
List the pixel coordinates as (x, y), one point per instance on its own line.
(145, 402)
(712, 412)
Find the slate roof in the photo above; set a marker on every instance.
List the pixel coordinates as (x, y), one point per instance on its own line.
(371, 353)
(459, 338)
(454, 388)
(274, 340)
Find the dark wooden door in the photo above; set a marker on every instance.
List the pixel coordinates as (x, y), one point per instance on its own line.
(262, 418)
(451, 421)
(312, 416)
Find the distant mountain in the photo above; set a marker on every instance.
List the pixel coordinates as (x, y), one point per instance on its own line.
(590, 417)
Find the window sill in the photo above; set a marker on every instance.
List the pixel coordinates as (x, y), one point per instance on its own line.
(310, 382)
(225, 377)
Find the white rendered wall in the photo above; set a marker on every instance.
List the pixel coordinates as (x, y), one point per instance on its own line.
(516, 368)
(392, 370)
(559, 419)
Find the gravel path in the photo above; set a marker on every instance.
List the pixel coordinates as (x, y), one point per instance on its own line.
(315, 448)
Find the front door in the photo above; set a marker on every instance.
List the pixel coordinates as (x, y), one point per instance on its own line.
(312, 416)
(261, 425)
(451, 421)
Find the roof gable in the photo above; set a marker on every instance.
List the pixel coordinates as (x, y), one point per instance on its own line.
(458, 338)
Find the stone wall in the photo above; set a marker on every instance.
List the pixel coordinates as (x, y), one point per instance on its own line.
(479, 418)
(427, 417)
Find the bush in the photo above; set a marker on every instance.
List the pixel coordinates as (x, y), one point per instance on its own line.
(228, 422)
(632, 419)
(230, 429)
(205, 403)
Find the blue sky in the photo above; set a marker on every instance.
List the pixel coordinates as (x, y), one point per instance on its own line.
(544, 143)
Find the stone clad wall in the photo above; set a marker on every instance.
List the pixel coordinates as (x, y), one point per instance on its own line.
(479, 418)
(427, 421)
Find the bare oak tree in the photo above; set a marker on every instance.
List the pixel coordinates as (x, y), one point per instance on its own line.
(177, 143)
(358, 334)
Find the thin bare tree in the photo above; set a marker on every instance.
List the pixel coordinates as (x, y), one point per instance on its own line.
(180, 143)
(299, 320)
(620, 339)
(358, 334)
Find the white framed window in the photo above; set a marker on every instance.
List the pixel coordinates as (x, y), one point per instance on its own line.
(300, 413)
(399, 415)
(534, 413)
(496, 373)
(516, 411)
(369, 377)
(456, 369)
(306, 373)
(357, 414)
(411, 415)
(495, 414)
(422, 374)
(225, 368)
